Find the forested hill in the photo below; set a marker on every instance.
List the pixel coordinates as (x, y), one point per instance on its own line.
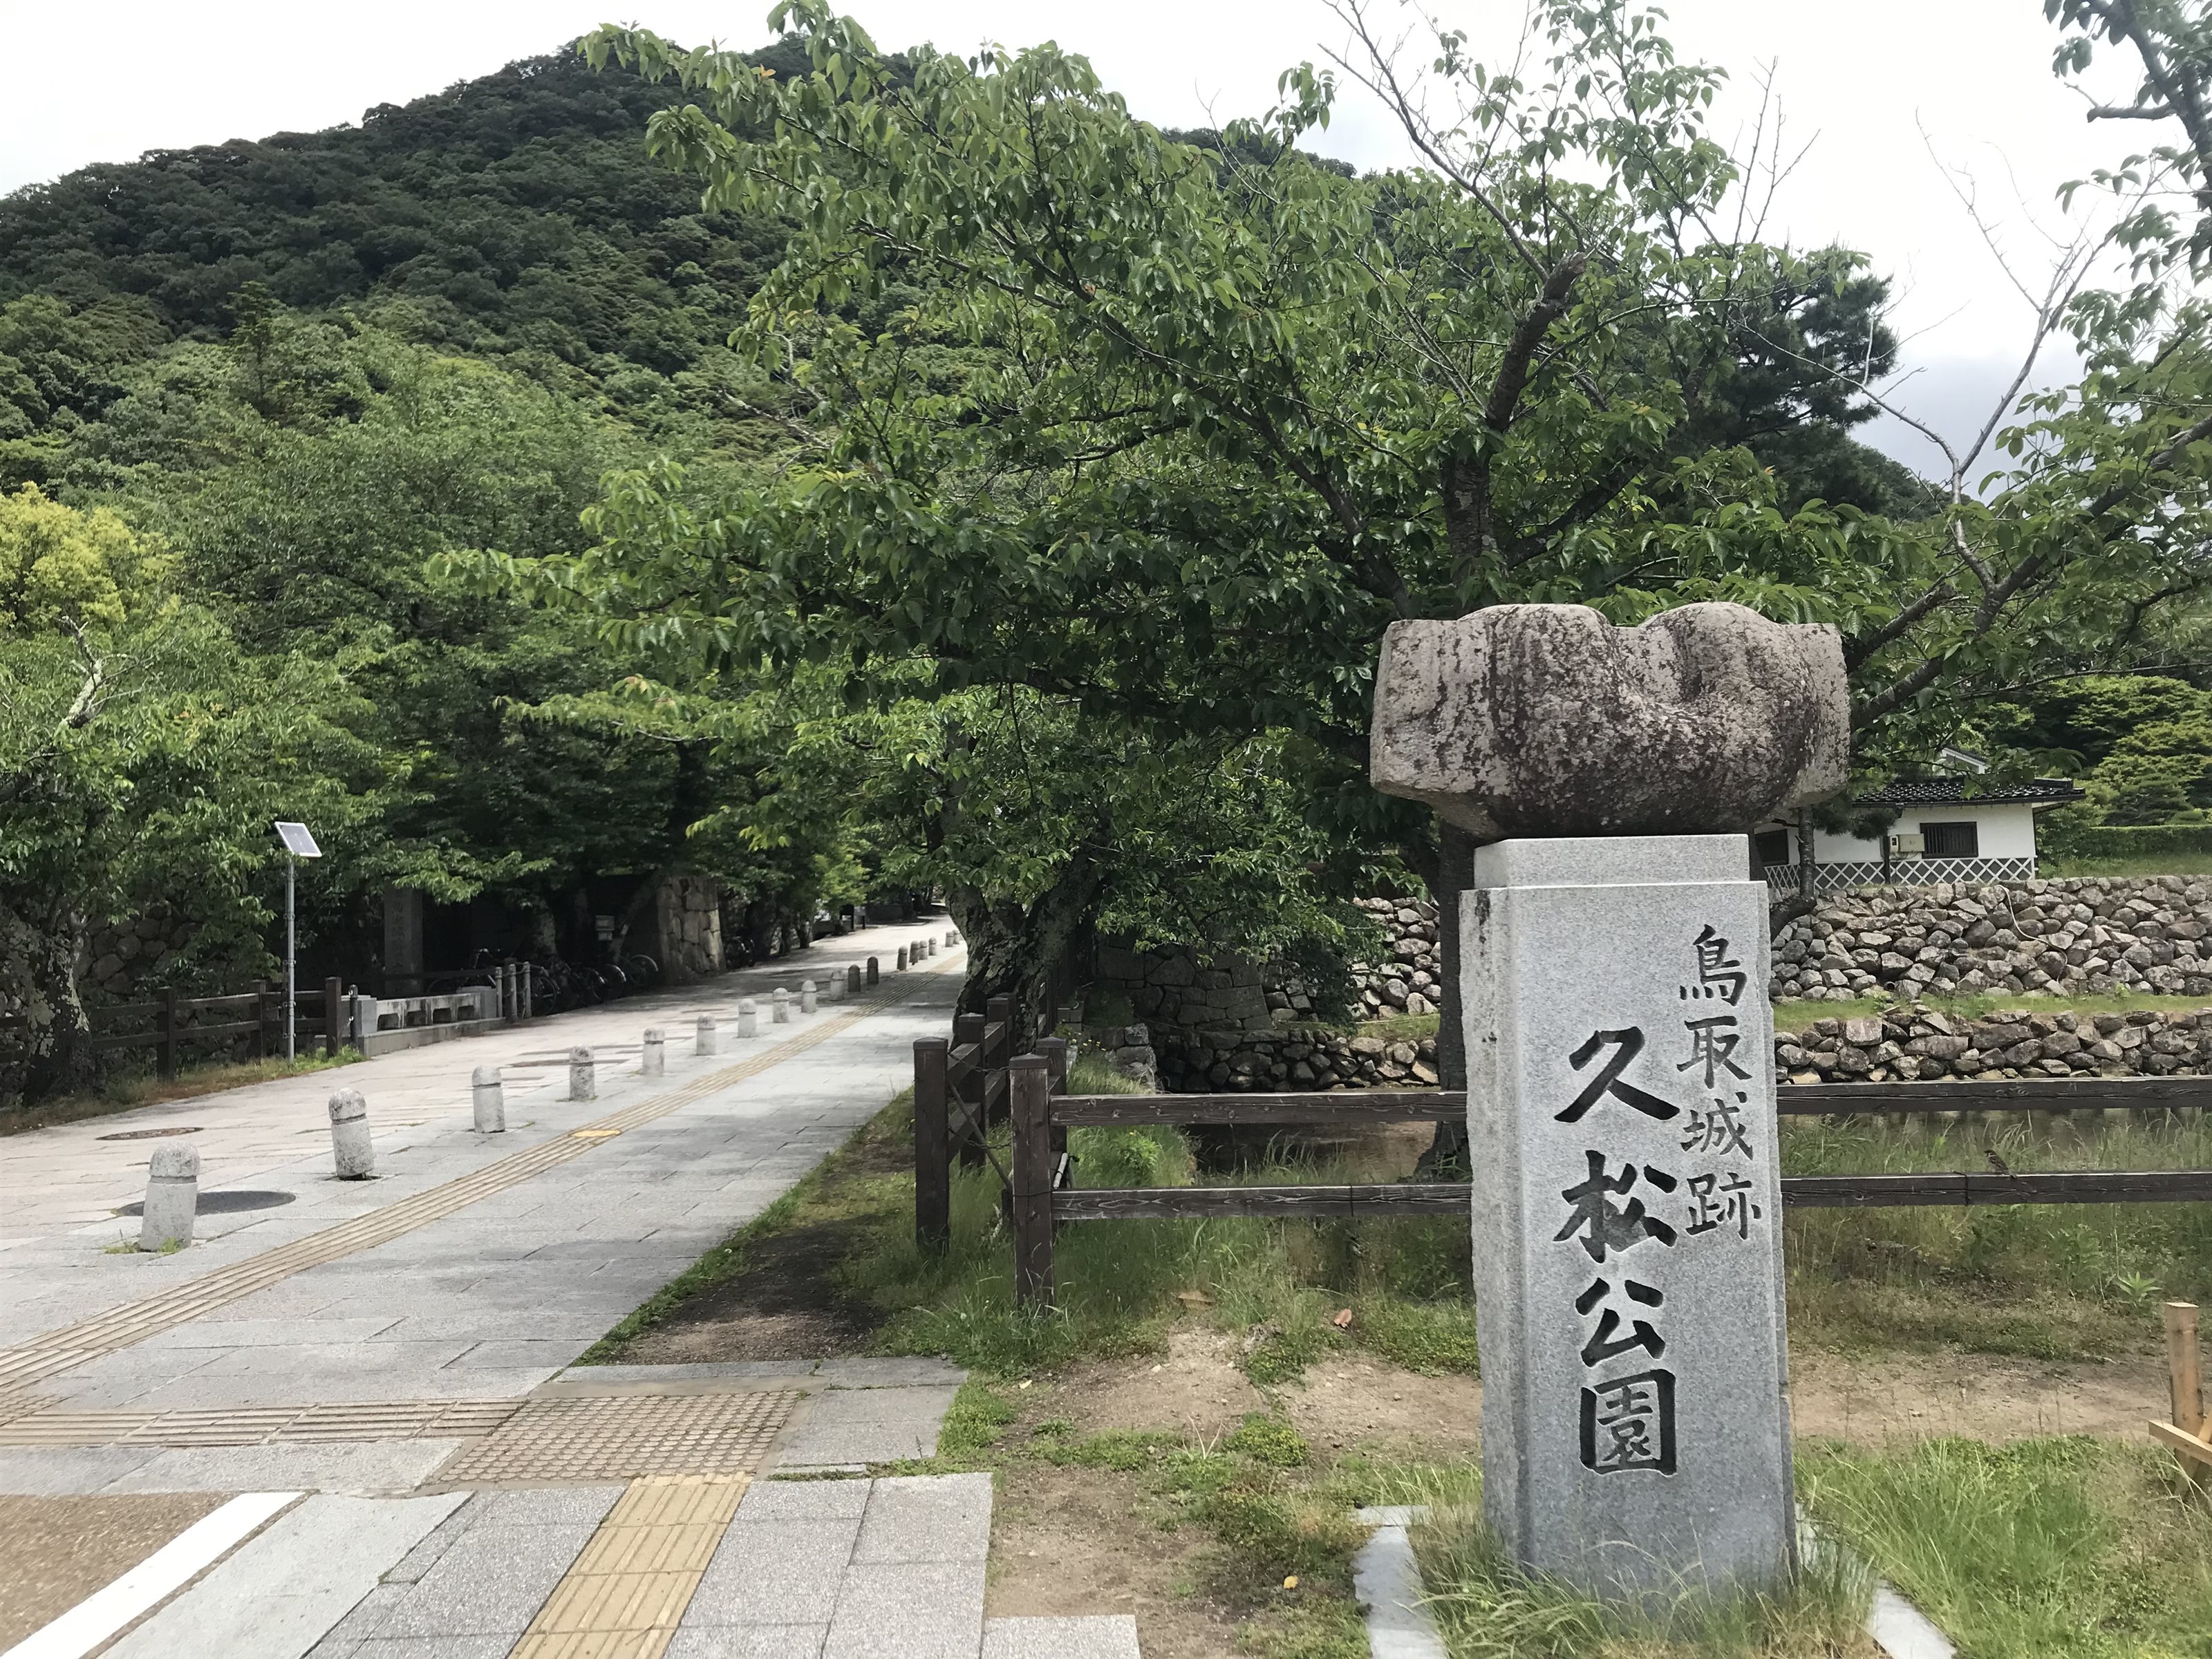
(518, 213)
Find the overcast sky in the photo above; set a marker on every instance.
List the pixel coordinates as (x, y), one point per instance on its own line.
(104, 80)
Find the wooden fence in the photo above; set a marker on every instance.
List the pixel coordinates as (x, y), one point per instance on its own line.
(173, 1023)
(1039, 1196)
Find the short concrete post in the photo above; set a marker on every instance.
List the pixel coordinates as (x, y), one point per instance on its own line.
(748, 1018)
(490, 1101)
(779, 1009)
(172, 1197)
(873, 972)
(703, 1042)
(902, 959)
(806, 1004)
(852, 980)
(951, 940)
(350, 1144)
(833, 989)
(525, 1000)
(583, 1076)
(653, 1058)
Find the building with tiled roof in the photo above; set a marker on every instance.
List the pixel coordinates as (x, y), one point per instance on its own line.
(1949, 828)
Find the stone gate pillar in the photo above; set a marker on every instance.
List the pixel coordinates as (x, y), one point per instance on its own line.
(1626, 1205)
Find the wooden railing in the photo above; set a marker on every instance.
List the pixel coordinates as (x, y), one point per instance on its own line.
(1039, 1197)
(173, 1023)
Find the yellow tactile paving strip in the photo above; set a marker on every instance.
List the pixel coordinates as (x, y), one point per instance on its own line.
(262, 1425)
(578, 1441)
(627, 1591)
(134, 1321)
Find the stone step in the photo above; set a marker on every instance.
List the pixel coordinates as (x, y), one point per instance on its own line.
(1108, 1636)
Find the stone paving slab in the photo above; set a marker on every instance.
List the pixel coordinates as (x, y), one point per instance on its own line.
(1106, 1636)
(279, 1592)
(588, 1269)
(70, 1177)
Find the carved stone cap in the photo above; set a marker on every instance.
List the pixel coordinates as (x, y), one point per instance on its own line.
(1546, 720)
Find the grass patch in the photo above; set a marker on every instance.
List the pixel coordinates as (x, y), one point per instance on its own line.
(1402, 1028)
(2055, 1281)
(2148, 863)
(1486, 1608)
(1796, 1016)
(127, 1091)
(2042, 1549)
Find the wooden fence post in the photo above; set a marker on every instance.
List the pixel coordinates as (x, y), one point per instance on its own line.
(333, 1020)
(932, 1169)
(1029, 1094)
(1054, 1050)
(167, 1065)
(2185, 1378)
(968, 1032)
(998, 1039)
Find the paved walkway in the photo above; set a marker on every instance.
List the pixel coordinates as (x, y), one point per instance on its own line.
(383, 1372)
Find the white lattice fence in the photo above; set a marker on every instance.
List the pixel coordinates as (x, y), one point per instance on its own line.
(1783, 878)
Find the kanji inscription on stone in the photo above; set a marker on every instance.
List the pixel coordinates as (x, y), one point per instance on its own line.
(1627, 1213)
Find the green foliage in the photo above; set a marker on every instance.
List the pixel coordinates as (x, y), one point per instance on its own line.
(60, 569)
(1174, 430)
(1269, 1440)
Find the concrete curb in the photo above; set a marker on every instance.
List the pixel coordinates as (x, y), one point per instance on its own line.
(1387, 1579)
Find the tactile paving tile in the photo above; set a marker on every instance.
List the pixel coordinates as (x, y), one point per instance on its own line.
(134, 1321)
(262, 1425)
(573, 1442)
(626, 1593)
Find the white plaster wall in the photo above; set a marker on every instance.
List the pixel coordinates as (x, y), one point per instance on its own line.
(2008, 832)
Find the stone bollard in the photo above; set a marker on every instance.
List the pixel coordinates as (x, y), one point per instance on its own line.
(653, 1058)
(748, 1018)
(703, 1042)
(583, 1076)
(872, 971)
(490, 1101)
(852, 980)
(902, 959)
(780, 1010)
(172, 1197)
(806, 1003)
(833, 989)
(952, 940)
(350, 1144)
(929, 947)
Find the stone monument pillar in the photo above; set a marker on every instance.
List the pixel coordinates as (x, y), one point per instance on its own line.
(1620, 1091)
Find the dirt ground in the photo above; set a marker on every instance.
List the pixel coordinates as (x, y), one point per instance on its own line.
(1088, 1540)
(60, 1550)
(783, 1306)
(1872, 1400)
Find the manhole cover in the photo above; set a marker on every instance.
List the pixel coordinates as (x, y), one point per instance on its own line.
(622, 1436)
(223, 1203)
(154, 1135)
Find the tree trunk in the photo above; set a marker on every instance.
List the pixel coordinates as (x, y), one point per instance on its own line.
(1448, 874)
(1012, 950)
(52, 1051)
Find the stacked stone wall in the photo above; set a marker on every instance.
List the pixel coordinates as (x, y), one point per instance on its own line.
(1913, 1043)
(2088, 936)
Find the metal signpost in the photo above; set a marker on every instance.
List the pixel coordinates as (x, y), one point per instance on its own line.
(298, 844)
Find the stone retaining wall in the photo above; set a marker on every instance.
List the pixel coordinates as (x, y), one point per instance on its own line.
(1914, 1043)
(1233, 1062)
(1169, 989)
(2085, 935)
